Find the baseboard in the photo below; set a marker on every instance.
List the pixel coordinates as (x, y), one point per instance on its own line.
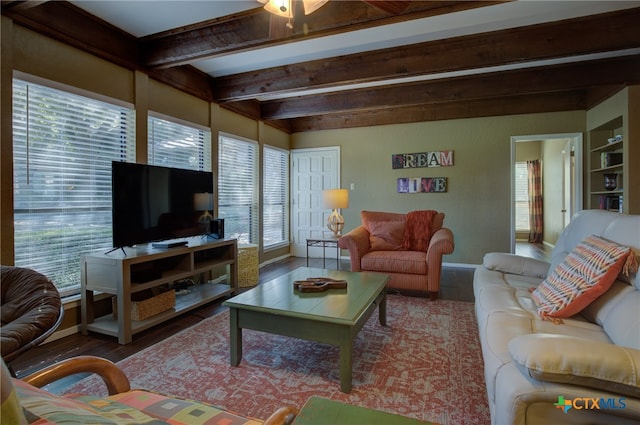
(461, 265)
(273, 260)
(71, 330)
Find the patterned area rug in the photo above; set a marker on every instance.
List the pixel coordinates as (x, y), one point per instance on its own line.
(425, 364)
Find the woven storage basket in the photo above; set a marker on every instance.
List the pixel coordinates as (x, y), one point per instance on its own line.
(143, 309)
(247, 265)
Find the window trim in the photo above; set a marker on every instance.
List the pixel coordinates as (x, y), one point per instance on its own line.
(287, 207)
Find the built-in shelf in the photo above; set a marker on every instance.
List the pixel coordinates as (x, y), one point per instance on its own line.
(600, 149)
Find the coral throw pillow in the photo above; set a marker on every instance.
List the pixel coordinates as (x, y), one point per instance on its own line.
(585, 274)
(418, 230)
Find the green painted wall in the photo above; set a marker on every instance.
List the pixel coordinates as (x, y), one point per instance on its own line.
(477, 203)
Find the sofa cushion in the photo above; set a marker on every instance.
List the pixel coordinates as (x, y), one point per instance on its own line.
(410, 262)
(585, 274)
(10, 410)
(578, 361)
(515, 264)
(30, 306)
(386, 235)
(418, 230)
(132, 407)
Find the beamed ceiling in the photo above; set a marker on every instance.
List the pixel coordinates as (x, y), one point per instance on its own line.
(553, 64)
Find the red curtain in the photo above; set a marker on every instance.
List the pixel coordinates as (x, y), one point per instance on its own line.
(535, 202)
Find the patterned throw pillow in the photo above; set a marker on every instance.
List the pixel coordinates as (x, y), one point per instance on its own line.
(585, 274)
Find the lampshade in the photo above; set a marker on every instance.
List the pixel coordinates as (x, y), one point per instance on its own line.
(284, 8)
(335, 198)
(311, 6)
(203, 201)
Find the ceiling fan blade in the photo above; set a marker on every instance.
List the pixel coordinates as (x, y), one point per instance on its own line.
(392, 7)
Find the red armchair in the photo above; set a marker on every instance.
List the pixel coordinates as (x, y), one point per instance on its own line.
(408, 247)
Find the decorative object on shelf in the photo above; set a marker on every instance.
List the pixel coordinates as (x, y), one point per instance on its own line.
(319, 284)
(422, 184)
(216, 230)
(610, 159)
(422, 159)
(610, 181)
(617, 138)
(335, 199)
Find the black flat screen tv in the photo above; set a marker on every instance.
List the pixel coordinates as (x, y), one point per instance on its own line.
(152, 203)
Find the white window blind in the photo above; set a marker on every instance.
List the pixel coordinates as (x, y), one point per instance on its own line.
(63, 145)
(238, 188)
(275, 209)
(522, 197)
(178, 145)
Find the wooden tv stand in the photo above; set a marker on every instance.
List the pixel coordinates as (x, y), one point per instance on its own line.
(124, 272)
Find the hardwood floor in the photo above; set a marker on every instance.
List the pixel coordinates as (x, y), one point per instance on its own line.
(534, 250)
(456, 284)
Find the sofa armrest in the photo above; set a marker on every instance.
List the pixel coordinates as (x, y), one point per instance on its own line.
(357, 242)
(114, 378)
(515, 264)
(441, 243)
(578, 361)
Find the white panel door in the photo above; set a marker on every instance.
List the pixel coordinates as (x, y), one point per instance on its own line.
(312, 171)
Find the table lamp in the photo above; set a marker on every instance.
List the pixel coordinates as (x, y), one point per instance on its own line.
(335, 199)
(204, 202)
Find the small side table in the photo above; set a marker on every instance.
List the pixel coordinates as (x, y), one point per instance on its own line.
(324, 244)
(318, 410)
(248, 273)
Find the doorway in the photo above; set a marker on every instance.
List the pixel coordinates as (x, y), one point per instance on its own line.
(561, 164)
(312, 170)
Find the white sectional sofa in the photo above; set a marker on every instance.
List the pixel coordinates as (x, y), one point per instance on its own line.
(585, 370)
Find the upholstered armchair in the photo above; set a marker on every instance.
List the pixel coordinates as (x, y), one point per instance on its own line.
(408, 247)
(24, 401)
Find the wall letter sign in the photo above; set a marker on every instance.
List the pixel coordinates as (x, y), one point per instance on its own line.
(422, 159)
(422, 184)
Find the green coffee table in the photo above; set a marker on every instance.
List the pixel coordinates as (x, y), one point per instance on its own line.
(332, 317)
(322, 411)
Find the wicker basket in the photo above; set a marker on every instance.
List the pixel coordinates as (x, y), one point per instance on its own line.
(248, 272)
(145, 308)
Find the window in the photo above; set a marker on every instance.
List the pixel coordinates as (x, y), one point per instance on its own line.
(522, 197)
(238, 188)
(63, 145)
(179, 146)
(275, 209)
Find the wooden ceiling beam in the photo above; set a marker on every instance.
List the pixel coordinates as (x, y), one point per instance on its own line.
(528, 81)
(510, 105)
(593, 34)
(258, 28)
(65, 22)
